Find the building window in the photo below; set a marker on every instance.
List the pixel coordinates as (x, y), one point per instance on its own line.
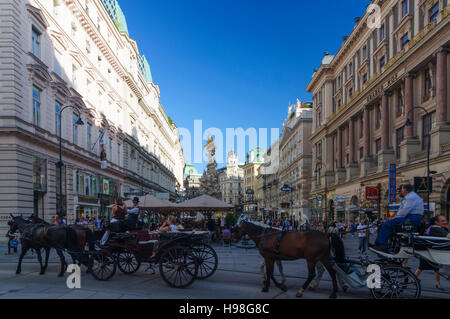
(364, 52)
(405, 40)
(36, 106)
(382, 33)
(36, 42)
(400, 104)
(364, 78)
(404, 7)
(378, 119)
(361, 152)
(427, 85)
(58, 58)
(361, 127)
(382, 62)
(74, 76)
(118, 154)
(434, 12)
(378, 145)
(110, 150)
(58, 118)
(75, 129)
(399, 138)
(427, 123)
(89, 137)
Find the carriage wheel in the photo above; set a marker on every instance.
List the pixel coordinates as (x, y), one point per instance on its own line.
(127, 262)
(178, 267)
(207, 260)
(397, 283)
(102, 265)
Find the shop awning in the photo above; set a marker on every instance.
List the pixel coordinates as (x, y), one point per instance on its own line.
(204, 203)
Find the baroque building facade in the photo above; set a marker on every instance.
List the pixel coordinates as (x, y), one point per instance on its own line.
(296, 163)
(77, 56)
(231, 180)
(254, 160)
(381, 79)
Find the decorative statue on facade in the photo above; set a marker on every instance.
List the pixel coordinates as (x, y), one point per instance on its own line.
(209, 183)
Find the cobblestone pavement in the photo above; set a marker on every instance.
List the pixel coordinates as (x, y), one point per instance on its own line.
(237, 277)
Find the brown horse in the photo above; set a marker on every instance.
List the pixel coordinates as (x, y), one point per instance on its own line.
(42, 235)
(83, 234)
(274, 246)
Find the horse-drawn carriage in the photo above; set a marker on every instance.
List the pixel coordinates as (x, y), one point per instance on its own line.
(181, 257)
(396, 281)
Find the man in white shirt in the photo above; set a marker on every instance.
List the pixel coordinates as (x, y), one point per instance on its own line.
(411, 209)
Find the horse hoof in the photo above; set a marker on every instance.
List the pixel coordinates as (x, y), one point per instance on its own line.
(299, 294)
(265, 290)
(333, 296)
(60, 275)
(345, 288)
(18, 272)
(42, 273)
(312, 288)
(283, 288)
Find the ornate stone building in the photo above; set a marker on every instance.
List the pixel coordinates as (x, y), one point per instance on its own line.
(251, 170)
(231, 180)
(78, 54)
(191, 182)
(295, 162)
(363, 97)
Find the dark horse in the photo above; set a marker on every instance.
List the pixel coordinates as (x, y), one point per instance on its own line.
(42, 235)
(83, 234)
(274, 245)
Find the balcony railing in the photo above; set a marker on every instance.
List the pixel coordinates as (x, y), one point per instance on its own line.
(445, 148)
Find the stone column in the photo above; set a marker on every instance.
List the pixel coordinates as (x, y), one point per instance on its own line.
(387, 154)
(440, 134)
(351, 139)
(366, 132)
(442, 108)
(339, 148)
(411, 143)
(352, 167)
(341, 171)
(409, 100)
(385, 121)
(368, 160)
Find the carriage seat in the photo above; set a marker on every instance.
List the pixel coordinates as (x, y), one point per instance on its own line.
(427, 242)
(123, 236)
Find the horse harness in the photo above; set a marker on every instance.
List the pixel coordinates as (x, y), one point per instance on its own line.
(276, 250)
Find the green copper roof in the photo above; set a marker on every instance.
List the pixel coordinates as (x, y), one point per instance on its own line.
(116, 13)
(144, 67)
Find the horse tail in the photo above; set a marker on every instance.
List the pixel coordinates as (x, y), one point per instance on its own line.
(337, 245)
(90, 239)
(72, 240)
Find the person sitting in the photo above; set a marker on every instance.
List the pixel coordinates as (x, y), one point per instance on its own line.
(438, 228)
(168, 225)
(411, 209)
(133, 214)
(117, 222)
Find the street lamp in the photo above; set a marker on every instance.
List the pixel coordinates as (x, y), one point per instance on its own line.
(429, 172)
(60, 164)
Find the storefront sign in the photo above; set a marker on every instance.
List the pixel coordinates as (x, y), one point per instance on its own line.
(372, 193)
(421, 185)
(392, 183)
(105, 187)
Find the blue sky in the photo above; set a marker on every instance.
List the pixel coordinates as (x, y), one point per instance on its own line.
(236, 63)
